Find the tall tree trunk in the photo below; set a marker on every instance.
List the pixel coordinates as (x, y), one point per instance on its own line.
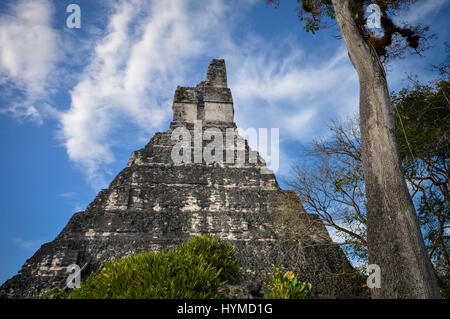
(395, 241)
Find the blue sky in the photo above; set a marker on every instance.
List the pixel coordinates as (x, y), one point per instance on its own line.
(74, 103)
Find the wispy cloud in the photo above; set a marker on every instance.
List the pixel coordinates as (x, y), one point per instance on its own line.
(132, 75)
(422, 9)
(27, 244)
(29, 53)
(288, 94)
(147, 49)
(130, 72)
(67, 194)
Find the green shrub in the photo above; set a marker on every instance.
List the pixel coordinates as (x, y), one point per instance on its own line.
(287, 286)
(196, 269)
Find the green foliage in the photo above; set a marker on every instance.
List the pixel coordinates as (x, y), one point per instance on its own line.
(423, 120)
(422, 115)
(196, 269)
(54, 293)
(312, 13)
(287, 286)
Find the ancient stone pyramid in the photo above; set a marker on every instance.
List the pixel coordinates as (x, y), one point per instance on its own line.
(155, 203)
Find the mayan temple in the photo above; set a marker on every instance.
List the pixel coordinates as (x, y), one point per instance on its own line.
(156, 203)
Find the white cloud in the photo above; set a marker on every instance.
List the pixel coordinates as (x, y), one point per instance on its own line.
(150, 47)
(67, 194)
(27, 244)
(293, 95)
(142, 59)
(28, 55)
(133, 74)
(421, 10)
